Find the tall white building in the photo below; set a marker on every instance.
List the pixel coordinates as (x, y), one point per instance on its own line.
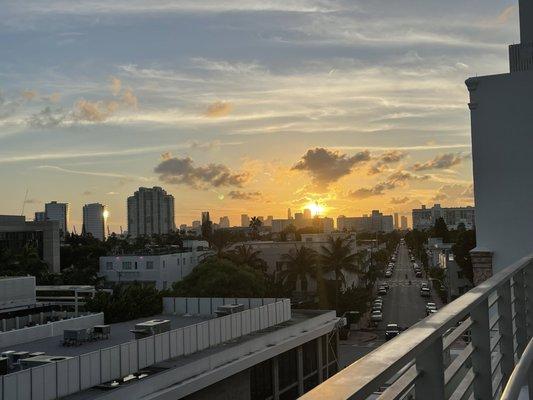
(95, 220)
(150, 211)
(396, 221)
(425, 218)
(502, 138)
(223, 223)
(55, 211)
(245, 221)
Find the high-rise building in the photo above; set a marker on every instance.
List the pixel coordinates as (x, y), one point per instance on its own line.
(40, 216)
(307, 213)
(196, 224)
(150, 211)
(268, 220)
(396, 221)
(403, 223)
(224, 223)
(95, 220)
(424, 218)
(289, 214)
(58, 212)
(501, 119)
(245, 220)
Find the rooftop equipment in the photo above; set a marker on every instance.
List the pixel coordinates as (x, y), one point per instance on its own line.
(150, 328)
(40, 360)
(75, 337)
(102, 331)
(228, 309)
(4, 364)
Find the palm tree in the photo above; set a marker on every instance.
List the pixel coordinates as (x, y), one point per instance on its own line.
(255, 224)
(246, 255)
(300, 263)
(337, 257)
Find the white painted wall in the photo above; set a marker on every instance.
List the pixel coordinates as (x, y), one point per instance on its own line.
(502, 147)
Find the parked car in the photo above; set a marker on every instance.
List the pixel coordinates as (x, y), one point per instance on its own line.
(388, 273)
(391, 331)
(430, 307)
(385, 285)
(424, 292)
(376, 316)
(418, 274)
(377, 307)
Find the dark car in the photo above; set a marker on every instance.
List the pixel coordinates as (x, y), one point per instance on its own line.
(391, 331)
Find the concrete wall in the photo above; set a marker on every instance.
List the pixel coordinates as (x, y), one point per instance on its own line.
(17, 291)
(25, 335)
(502, 143)
(82, 372)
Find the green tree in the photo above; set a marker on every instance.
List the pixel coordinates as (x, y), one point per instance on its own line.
(300, 263)
(337, 257)
(255, 225)
(440, 230)
(127, 302)
(221, 278)
(465, 241)
(246, 255)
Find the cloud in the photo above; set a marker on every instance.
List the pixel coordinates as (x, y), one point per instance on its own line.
(442, 161)
(238, 195)
(29, 95)
(7, 107)
(219, 109)
(94, 111)
(87, 193)
(47, 118)
(399, 200)
(116, 85)
(389, 157)
(175, 170)
(506, 14)
(53, 97)
(112, 193)
(327, 166)
(129, 98)
(399, 178)
(455, 193)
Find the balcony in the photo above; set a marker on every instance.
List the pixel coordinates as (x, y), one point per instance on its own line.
(474, 348)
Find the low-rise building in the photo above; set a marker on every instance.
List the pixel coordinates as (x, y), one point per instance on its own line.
(161, 270)
(376, 222)
(16, 233)
(456, 283)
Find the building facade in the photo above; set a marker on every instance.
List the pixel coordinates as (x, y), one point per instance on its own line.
(376, 222)
(60, 212)
(403, 224)
(95, 220)
(245, 221)
(150, 211)
(424, 218)
(501, 121)
(16, 233)
(223, 223)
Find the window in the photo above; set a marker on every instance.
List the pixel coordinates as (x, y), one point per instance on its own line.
(126, 264)
(164, 264)
(261, 381)
(149, 265)
(109, 265)
(287, 369)
(178, 261)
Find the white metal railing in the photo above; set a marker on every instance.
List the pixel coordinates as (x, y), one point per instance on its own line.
(488, 327)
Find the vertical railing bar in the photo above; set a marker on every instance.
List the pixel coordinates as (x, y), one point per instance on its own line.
(481, 357)
(520, 320)
(430, 366)
(505, 325)
(528, 278)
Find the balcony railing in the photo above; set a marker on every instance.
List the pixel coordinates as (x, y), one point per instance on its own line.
(467, 350)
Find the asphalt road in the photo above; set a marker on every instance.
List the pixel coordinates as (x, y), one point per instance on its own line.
(403, 304)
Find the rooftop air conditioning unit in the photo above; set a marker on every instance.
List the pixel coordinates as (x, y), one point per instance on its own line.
(150, 328)
(40, 360)
(228, 309)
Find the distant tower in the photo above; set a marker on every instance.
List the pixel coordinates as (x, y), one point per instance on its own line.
(396, 222)
(150, 211)
(58, 212)
(95, 220)
(289, 214)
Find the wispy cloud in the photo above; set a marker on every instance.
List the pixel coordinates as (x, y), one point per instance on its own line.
(93, 173)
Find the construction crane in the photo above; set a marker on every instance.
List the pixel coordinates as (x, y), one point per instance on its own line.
(24, 202)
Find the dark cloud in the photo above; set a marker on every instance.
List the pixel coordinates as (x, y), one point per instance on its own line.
(47, 118)
(176, 170)
(238, 195)
(442, 161)
(399, 178)
(389, 157)
(326, 166)
(399, 200)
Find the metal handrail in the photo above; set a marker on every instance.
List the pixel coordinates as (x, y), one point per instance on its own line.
(360, 379)
(520, 375)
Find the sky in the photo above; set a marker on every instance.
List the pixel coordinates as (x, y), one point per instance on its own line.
(248, 106)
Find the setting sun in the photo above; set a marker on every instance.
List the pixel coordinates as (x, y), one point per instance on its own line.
(316, 209)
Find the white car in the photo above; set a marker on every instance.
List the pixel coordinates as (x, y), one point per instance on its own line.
(388, 273)
(376, 316)
(424, 292)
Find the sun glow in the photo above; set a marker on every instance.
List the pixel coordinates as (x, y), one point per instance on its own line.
(316, 209)
(105, 214)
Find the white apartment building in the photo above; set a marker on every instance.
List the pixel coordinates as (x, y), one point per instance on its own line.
(223, 223)
(455, 282)
(424, 218)
(376, 222)
(501, 119)
(245, 221)
(60, 212)
(95, 220)
(150, 211)
(161, 270)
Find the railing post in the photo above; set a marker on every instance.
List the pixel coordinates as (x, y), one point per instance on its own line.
(430, 365)
(520, 310)
(528, 277)
(505, 327)
(481, 360)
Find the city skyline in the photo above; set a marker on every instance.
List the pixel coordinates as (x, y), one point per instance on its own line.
(207, 125)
